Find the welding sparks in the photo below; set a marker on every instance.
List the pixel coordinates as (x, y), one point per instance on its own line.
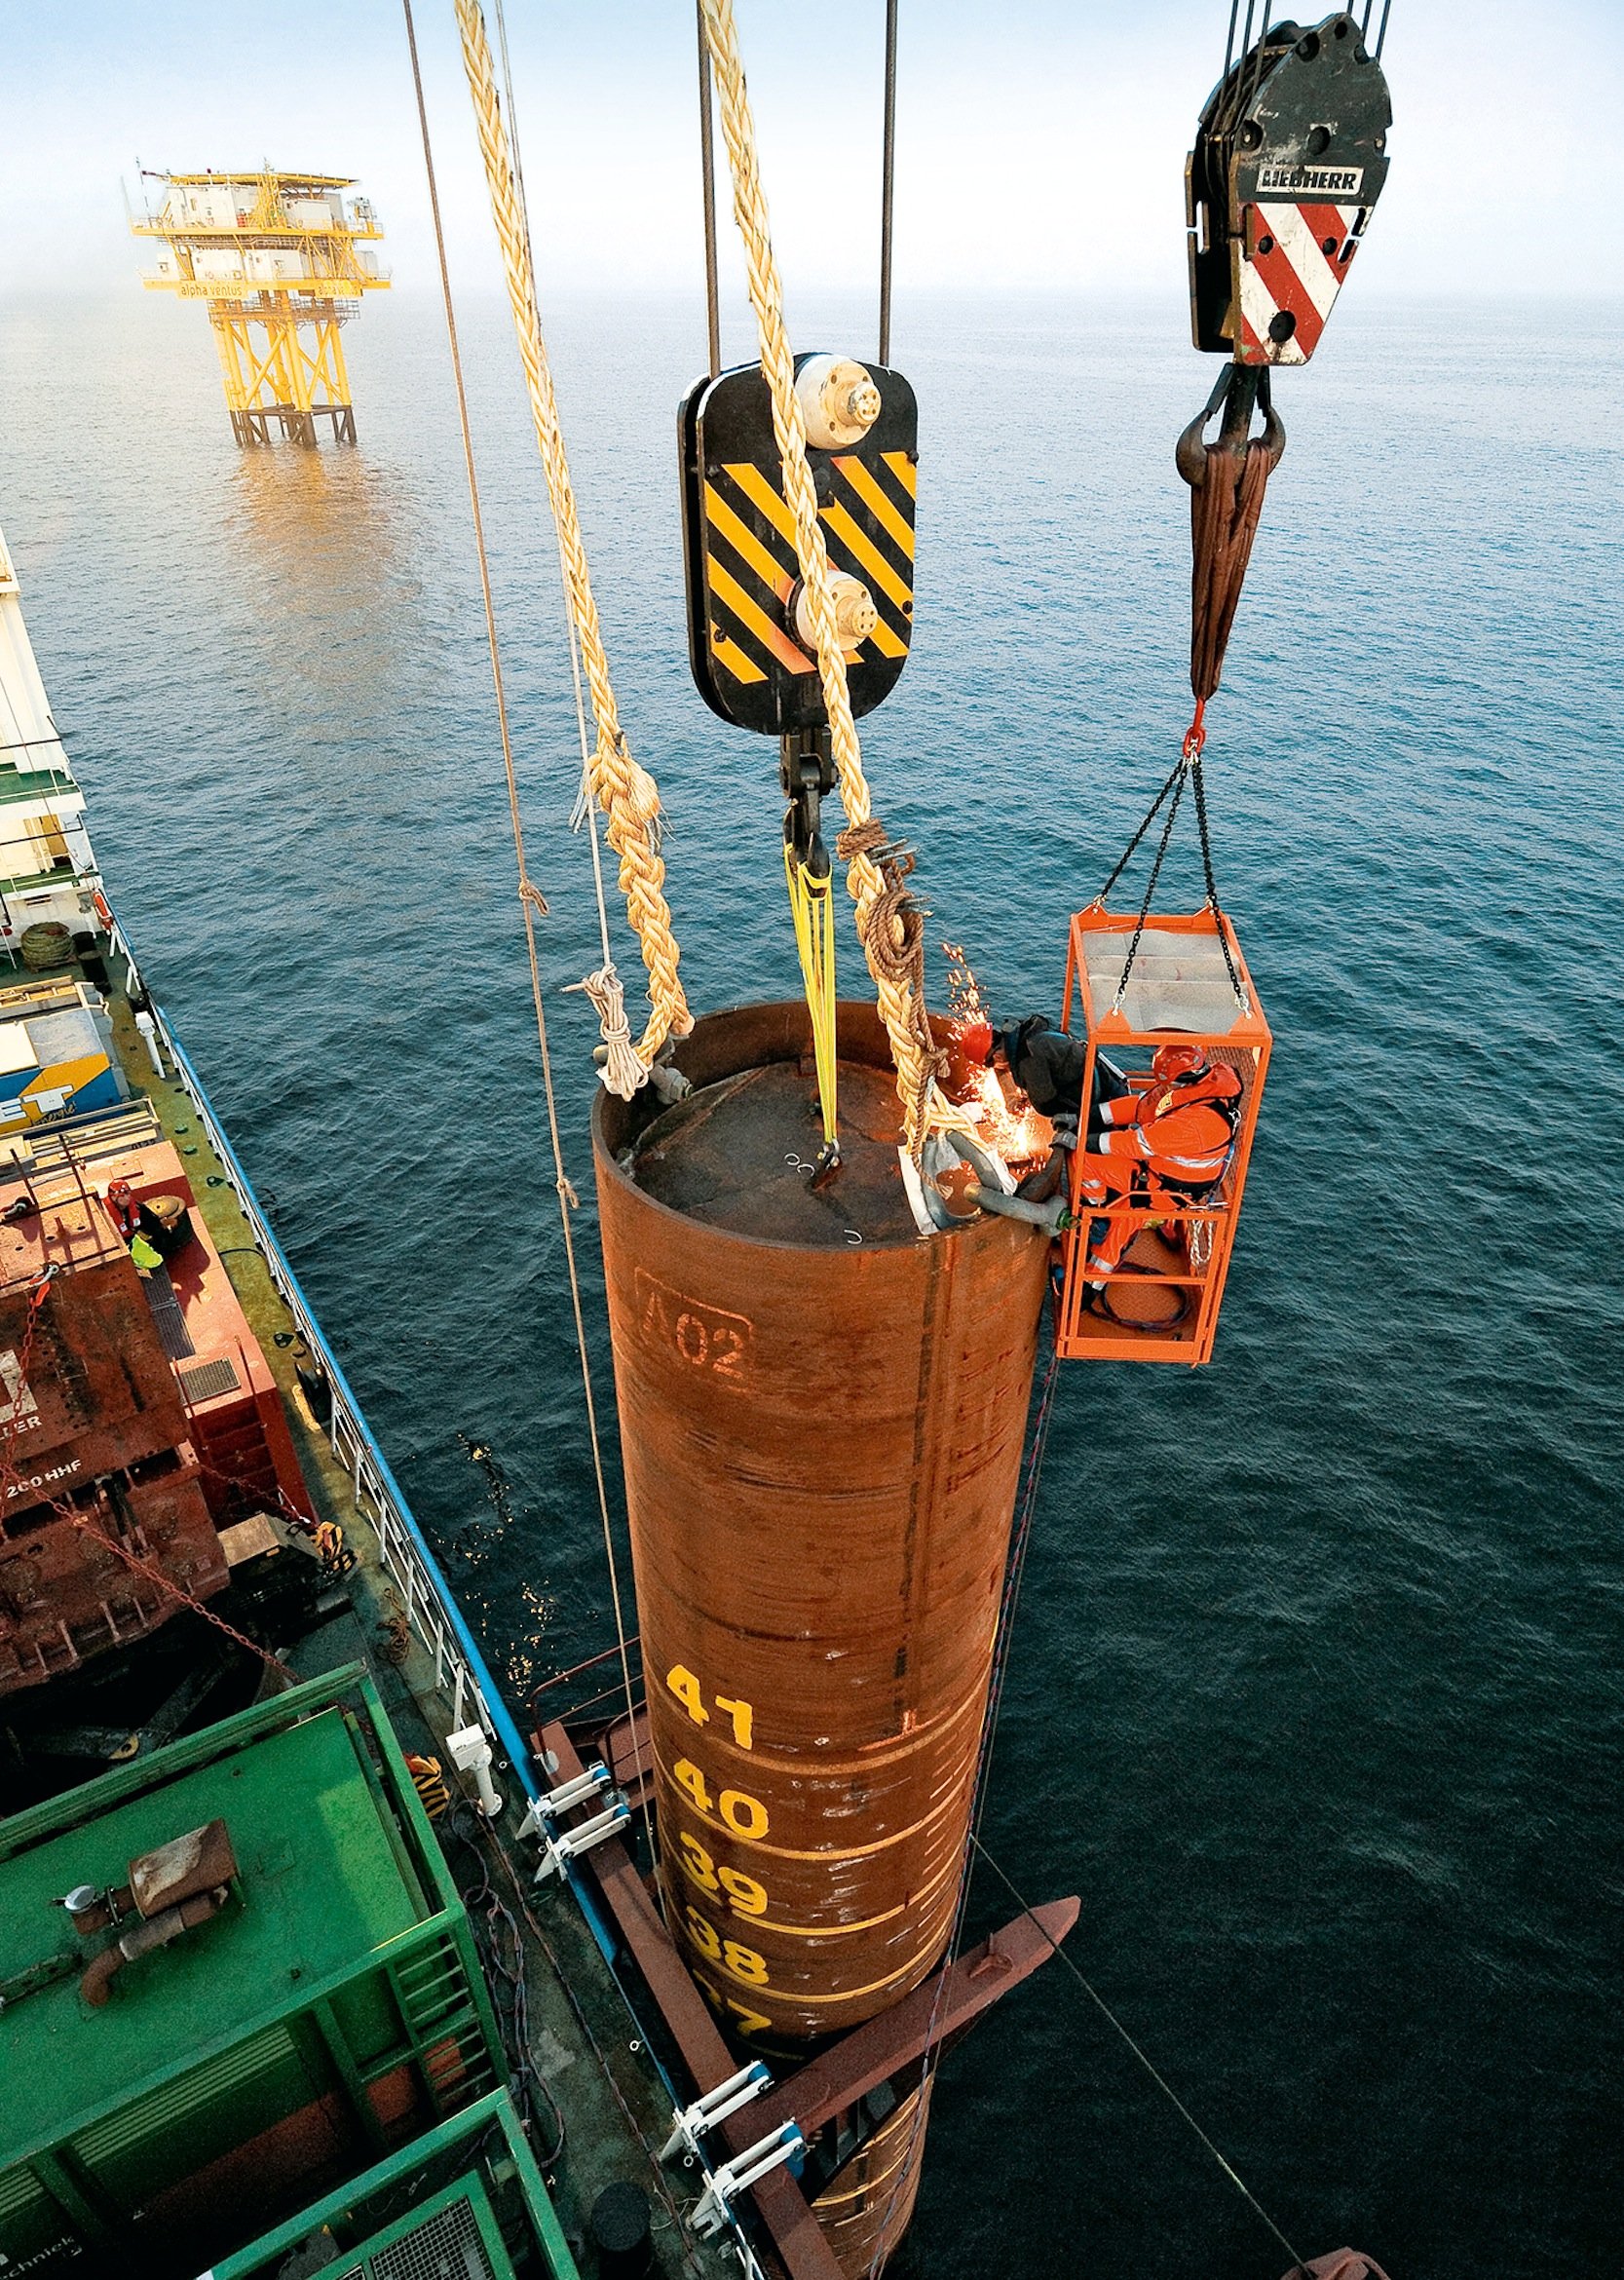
(964, 1000)
(1007, 1122)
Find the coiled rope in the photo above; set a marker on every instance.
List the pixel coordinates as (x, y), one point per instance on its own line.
(625, 792)
(889, 925)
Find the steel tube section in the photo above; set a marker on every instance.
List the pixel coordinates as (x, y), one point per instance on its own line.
(821, 1447)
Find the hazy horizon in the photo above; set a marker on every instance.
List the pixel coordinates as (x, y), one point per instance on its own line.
(1040, 151)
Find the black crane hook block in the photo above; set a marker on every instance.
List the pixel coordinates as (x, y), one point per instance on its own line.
(749, 643)
(1289, 161)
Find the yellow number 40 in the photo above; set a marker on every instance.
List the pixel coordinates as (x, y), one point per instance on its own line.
(743, 1814)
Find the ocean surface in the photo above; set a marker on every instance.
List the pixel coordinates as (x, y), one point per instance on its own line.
(1316, 1698)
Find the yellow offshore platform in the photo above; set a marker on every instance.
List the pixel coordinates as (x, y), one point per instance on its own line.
(281, 255)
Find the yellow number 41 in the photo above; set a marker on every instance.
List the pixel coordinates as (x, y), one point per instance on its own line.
(690, 1693)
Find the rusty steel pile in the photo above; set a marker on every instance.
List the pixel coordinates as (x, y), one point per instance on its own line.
(822, 1441)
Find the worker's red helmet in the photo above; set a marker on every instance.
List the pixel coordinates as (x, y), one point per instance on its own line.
(1179, 1060)
(976, 1043)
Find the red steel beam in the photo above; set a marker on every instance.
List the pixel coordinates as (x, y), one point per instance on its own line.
(795, 2232)
(946, 2005)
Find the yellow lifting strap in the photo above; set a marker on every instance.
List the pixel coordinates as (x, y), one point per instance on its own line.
(812, 905)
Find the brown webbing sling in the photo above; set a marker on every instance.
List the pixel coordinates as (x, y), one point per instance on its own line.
(1226, 479)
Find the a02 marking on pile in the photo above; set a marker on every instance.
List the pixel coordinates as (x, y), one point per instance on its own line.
(749, 662)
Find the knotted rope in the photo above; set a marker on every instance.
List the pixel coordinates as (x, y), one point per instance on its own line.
(626, 792)
(888, 921)
(623, 1071)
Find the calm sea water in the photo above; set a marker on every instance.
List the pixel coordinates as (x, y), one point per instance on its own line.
(1316, 1698)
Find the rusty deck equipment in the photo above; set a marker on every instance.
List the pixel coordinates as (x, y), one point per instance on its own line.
(822, 1419)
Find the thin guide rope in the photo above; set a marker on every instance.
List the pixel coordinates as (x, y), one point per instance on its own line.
(586, 807)
(1298, 2266)
(531, 901)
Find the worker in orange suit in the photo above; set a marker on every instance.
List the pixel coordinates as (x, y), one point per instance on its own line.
(1167, 1145)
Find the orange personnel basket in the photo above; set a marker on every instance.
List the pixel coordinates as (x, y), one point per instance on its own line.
(1159, 1301)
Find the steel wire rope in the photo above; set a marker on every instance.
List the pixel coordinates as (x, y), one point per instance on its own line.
(707, 197)
(1299, 2268)
(888, 182)
(531, 901)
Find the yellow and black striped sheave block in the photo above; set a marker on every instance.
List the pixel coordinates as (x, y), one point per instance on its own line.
(750, 663)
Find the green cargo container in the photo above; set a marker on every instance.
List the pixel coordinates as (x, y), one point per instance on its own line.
(476, 2204)
(329, 2010)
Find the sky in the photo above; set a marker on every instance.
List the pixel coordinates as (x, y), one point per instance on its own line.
(1041, 143)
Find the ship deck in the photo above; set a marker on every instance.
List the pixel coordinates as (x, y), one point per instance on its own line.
(586, 2041)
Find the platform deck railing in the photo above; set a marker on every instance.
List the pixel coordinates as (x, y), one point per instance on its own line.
(461, 1672)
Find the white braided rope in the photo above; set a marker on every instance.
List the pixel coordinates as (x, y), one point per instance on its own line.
(625, 792)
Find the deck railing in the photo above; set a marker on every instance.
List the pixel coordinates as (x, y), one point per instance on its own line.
(437, 1622)
(460, 1668)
